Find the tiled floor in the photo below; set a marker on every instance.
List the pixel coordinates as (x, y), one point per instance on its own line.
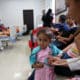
(14, 61)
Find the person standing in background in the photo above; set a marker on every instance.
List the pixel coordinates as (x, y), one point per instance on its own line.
(47, 18)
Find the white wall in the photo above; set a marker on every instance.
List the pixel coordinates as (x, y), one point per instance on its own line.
(11, 11)
(53, 8)
(48, 4)
(40, 5)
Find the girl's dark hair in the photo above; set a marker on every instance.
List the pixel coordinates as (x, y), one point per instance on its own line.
(45, 31)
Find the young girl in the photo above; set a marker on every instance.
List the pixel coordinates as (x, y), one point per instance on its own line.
(40, 55)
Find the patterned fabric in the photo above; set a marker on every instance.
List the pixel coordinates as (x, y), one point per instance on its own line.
(47, 72)
(73, 51)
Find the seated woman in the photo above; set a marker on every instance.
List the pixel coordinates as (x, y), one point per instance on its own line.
(63, 40)
(69, 67)
(73, 63)
(5, 32)
(66, 33)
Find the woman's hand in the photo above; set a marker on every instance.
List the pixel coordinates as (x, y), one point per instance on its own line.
(52, 60)
(61, 62)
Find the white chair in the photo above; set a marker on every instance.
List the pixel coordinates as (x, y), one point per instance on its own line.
(1, 46)
(13, 34)
(24, 28)
(19, 34)
(6, 39)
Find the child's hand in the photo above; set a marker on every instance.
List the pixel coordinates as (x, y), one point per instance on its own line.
(53, 59)
(38, 65)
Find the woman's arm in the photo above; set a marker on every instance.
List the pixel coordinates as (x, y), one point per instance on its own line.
(63, 39)
(77, 41)
(72, 63)
(58, 62)
(68, 47)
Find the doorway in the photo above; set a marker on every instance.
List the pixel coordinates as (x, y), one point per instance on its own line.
(28, 19)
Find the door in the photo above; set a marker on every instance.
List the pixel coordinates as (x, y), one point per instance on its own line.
(28, 19)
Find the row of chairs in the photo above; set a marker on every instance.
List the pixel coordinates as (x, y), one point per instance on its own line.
(12, 37)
